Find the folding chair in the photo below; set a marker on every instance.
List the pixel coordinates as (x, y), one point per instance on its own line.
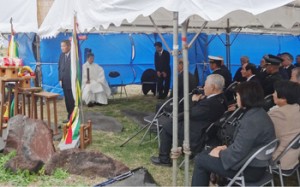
(157, 119)
(263, 154)
(294, 144)
(268, 102)
(115, 75)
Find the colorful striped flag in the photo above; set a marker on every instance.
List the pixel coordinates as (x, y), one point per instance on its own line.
(75, 118)
(12, 53)
(12, 45)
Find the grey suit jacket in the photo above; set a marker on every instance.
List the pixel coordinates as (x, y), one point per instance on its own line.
(256, 130)
(64, 71)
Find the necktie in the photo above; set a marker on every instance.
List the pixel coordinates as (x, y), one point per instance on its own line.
(66, 58)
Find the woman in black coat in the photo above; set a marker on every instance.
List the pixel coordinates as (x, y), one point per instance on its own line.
(255, 130)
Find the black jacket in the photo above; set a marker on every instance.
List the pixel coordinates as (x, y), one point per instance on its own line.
(162, 62)
(268, 83)
(202, 114)
(192, 84)
(64, 70)
(256, 130)
(226, 75)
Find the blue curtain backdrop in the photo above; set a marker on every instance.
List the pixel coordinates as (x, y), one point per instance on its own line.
(132, 54)
(255, 46)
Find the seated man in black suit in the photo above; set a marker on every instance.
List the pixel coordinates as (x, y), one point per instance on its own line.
(204, 110)
(273, 63)
(238, 76)
(297, 64)
(192, 80)
(249, 72)
(215, 66)
(192, 85)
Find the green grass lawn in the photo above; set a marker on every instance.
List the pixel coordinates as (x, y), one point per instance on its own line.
(132, 154)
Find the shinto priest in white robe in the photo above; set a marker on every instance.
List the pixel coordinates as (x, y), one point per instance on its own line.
(97, 90)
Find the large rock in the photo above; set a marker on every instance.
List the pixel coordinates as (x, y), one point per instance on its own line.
(84, 163)
(33, 141)
(19, 162)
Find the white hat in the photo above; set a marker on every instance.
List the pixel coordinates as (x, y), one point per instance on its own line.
(215, 58)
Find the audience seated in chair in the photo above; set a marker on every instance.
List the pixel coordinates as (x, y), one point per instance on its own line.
(254, 131)
(192, 86)
(286, 119)
(204, 110)
(95, 89)
(295, 77)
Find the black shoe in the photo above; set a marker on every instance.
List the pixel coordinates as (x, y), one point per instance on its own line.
(157, 161)
(98, 104)
(90, 104)
(65, 121)
(161, 97)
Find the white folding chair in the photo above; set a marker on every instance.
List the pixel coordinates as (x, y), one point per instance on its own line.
(155, 119)
(294, 144)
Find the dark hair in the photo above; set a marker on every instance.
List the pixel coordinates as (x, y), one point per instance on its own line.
(288, 55)
(90, 55)
(288, 90)
(159, 44)
(251, 94)
(217, 62)
(251, 67)
(67, 42)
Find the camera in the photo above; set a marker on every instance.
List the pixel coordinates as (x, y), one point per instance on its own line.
(198, 91)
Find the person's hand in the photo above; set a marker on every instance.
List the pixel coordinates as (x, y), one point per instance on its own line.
(197, 97)
(216, 151)
(158, 74)
(164, 74)
(60, 83)
(232, 107)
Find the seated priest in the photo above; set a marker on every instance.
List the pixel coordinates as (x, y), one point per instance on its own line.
(204, 110)
(95, 90)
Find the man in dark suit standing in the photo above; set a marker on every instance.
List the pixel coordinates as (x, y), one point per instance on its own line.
(163, 70)
(64, 73)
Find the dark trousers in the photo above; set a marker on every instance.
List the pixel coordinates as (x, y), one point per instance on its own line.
(69, 101)
(166, 138)
(163, 86)
(206, 164)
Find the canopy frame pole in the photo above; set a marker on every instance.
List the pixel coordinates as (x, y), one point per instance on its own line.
(186, 142)
(160, 35)
(227, 44)
(174, 151)
(198, 33)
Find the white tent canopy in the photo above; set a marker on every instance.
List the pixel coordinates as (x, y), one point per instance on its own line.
(23, 13)
(131, 15)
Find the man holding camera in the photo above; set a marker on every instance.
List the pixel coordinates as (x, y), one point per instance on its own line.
(204, 110)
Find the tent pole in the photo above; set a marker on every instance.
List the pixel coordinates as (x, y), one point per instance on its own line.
(228, 30)
(186, 142)
(160, 35)
(38, 68)
(198, 33)
(175, 98)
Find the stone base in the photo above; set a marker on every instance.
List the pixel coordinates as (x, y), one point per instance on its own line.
(74, 144)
